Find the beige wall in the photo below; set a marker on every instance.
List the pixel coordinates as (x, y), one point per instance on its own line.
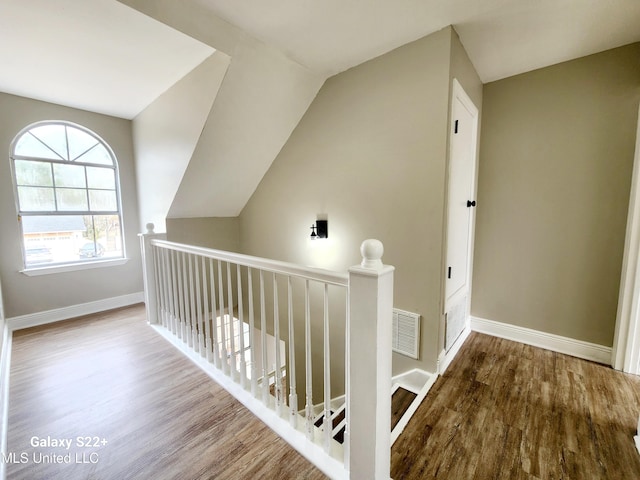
(555, 172)
(370, 154)
(24, 295)
(220, 233)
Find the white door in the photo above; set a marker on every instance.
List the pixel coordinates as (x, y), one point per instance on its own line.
(461, 196)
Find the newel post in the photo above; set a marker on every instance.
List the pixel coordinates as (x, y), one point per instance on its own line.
(369, 370)
(149, 272)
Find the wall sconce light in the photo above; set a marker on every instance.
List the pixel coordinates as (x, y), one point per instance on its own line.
(320, 229)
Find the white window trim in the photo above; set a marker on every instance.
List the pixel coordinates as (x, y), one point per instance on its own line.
(72, 267)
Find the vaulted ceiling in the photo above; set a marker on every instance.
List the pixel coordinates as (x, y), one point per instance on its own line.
(502, 37)
(104, 56)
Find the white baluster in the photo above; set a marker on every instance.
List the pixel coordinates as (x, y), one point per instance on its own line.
(181, 297)
(263, 339)
(328, 426)
(224, 349)
(168, 294)
(232, 341)
(164, 291)
(193, 341)
(252, 350)
(200, 340)
(243, 360)
(174, 290)
(293, 396)
(157, 275)
(214, 317)
(308, 408)
(207, 321)
(276, 334)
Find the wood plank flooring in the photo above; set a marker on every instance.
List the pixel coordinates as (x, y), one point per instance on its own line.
(504, 410)
(112, 377)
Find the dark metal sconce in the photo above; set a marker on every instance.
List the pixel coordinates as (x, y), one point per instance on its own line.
(320, 229)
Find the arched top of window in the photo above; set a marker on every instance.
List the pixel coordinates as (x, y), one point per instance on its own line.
(62, 141)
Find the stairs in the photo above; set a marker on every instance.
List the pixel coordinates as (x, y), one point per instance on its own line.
(338, 423)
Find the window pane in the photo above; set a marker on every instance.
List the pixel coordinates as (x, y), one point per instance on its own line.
(30, 146)
(69, 175)
(53, 238)
(103, 200)
(36, 199)
(101, 178)
(107, 233)
(79, 142)
(33, 173)
(98, 155)
(70, 199)
(54, 137)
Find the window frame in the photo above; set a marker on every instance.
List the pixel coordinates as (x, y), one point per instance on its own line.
(71, 265)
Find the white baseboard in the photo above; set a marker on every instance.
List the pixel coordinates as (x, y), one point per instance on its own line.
(548, 341)
(65, 313)
(445, 358)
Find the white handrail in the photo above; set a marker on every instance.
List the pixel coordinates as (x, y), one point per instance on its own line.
(267, 265)
(185, 288)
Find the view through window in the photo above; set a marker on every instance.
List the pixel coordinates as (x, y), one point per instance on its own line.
(67, 194)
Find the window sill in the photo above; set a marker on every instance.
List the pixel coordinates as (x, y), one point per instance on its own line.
(72, 267)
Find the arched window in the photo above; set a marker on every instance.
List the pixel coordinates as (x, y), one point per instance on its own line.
(67, 195)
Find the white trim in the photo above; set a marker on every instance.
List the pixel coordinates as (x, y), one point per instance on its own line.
(548, 341)
(65, 313)
(446, 357)
(72, 267)
(329, 465)
(420, 396)
(268, 265)
(5, 365)
(626, 347)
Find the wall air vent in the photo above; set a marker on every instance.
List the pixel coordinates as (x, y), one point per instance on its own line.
(406, 333)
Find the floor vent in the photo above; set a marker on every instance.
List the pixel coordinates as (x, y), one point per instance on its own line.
(406, 333)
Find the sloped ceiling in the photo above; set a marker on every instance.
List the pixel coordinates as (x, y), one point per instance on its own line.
(101, 56)
(502, 37)
(96, 55)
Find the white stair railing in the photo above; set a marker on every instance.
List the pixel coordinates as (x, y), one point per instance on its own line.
(194, 301)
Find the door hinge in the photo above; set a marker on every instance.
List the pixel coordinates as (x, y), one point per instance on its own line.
(455, 127)
(449, 273)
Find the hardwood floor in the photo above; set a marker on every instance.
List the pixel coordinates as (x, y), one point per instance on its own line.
(112, 377)
(504, 410)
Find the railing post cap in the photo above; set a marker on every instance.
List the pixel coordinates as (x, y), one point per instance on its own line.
(150, 226)
(371, 250)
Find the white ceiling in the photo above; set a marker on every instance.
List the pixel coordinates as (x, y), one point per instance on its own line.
(96, 55)
(102, 56)
(502, 37)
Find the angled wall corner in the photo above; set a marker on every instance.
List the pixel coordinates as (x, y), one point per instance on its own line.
(262, 98)
(166, 133)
